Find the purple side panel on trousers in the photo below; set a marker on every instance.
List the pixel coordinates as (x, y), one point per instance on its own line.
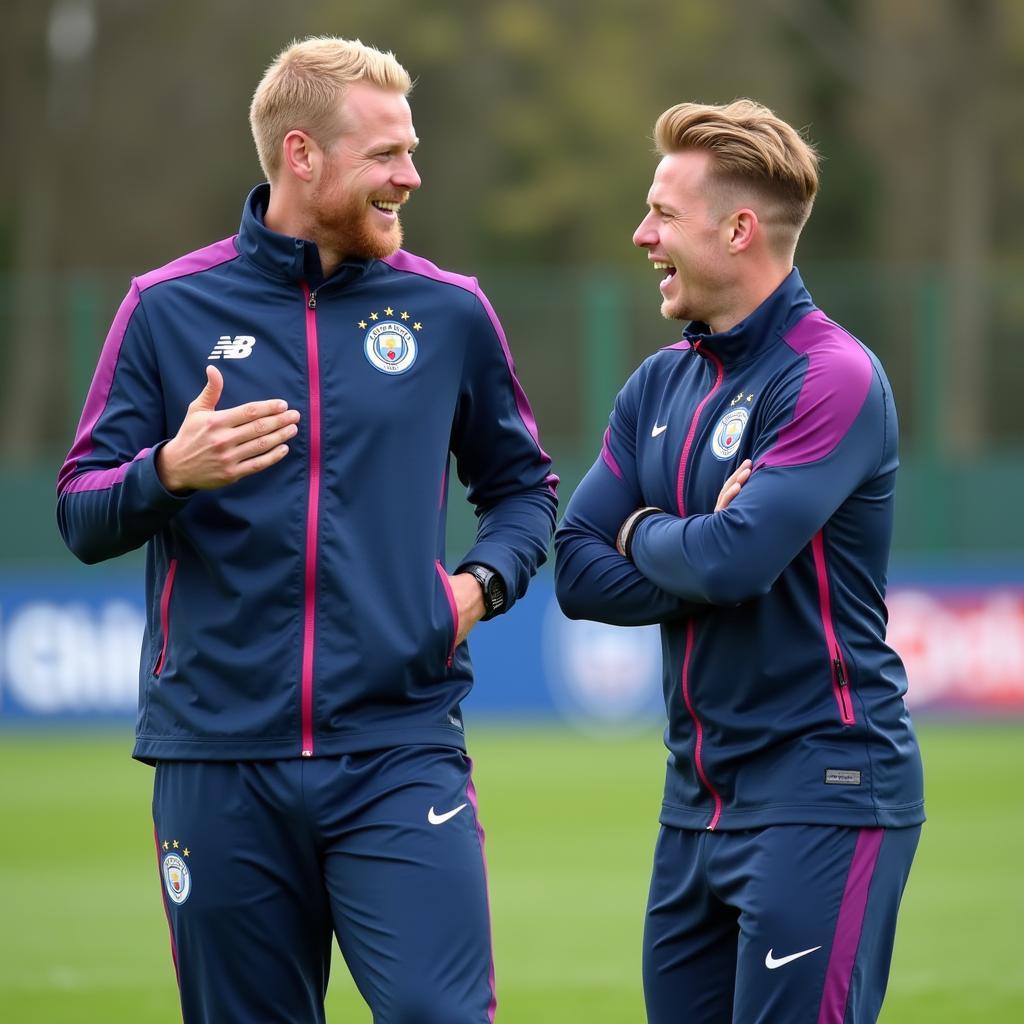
(848, 927)
(103, 378)
(471, 794)
(606, 454)
(411, 264)
(833, 392)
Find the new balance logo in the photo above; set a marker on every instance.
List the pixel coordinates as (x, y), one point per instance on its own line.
(238, 347)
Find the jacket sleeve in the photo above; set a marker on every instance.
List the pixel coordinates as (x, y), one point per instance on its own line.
(109, 497)
(499, 458)
(592, 580)
(825, 434)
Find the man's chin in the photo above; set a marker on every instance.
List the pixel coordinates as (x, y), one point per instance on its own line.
(378, 245)
(672, 310)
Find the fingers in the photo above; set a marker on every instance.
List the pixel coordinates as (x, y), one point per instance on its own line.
(260, 462)
(253, 430)
(733, 485)
(265, 442)
(240, 415)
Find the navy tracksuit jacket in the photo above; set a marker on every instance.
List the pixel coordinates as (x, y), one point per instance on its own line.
(306, 609)
(785, 705)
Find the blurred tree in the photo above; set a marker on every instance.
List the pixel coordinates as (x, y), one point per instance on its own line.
(535, 117)
(925, 77)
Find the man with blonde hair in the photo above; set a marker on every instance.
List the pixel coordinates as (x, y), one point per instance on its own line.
(305, 655)
(743, 500)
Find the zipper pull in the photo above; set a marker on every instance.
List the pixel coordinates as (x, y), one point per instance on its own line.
(312, 300)
(840, 675)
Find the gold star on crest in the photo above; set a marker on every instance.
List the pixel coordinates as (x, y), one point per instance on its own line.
(175, 844)
(417, 326)
(389, 311)
(361, 325)
(185, 851)
(374, 316)
(166, 846)
(405, 315)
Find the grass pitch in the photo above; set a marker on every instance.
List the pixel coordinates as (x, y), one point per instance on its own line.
(571, 823)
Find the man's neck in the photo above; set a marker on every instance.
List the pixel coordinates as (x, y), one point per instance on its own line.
(285, 220)
(748, 297)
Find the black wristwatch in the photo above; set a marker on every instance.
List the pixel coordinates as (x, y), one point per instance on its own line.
(492, 586)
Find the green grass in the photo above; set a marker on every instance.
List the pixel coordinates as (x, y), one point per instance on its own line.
(570, 823)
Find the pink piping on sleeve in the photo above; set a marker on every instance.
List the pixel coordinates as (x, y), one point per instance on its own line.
(103, 379)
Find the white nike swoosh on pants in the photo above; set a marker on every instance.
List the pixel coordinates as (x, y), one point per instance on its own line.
(771, 963)
(440, 819)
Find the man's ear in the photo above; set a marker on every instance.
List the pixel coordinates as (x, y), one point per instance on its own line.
(742, 228)
(301, 155)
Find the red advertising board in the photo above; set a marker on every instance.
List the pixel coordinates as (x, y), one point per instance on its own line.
(963, 647)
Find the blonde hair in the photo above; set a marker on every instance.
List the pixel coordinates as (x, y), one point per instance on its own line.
(303, 86)
(750, 147)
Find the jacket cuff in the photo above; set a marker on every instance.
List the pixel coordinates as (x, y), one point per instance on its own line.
(152, 488)
(499, 559)
(624, 539)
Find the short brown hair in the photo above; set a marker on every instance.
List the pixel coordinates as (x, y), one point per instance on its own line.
(303, 85)
(750, 146)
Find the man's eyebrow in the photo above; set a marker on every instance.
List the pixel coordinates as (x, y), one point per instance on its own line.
(392, 144)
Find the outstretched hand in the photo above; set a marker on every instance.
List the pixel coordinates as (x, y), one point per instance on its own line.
(217, 447)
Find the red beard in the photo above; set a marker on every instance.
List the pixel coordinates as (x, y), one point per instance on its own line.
(348, 227)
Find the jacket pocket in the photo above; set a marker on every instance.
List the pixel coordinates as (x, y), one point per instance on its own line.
(837, 666)
(453, 613)
(165, 615)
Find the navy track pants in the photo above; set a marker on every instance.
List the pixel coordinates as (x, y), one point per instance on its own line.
(792, 924)
(263, 862)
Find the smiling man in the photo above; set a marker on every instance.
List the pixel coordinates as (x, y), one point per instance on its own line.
(743, 500)
(305, 656)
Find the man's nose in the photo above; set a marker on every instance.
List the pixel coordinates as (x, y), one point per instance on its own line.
(645, 234)
(406, 176)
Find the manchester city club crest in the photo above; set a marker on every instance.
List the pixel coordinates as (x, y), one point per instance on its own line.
(725, 441)
(176, 873)
(390, 347)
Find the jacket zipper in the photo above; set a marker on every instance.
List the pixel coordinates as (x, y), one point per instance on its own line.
(452, 607)
(680, 485)
(837, 666)
(165, 614)
(312, 515)
(700, 730)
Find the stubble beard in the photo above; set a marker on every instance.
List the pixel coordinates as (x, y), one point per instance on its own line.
(674, 309)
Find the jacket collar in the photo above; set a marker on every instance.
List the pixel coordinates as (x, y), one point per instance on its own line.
(786, 305)
(282, 256)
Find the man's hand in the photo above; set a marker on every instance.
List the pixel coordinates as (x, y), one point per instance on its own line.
(733, 485)
(214, 448)
(469, 600)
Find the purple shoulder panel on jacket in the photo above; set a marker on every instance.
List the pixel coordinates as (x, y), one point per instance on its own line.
(834, 389)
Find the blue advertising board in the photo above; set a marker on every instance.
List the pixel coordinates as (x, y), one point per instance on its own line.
(69, 651)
